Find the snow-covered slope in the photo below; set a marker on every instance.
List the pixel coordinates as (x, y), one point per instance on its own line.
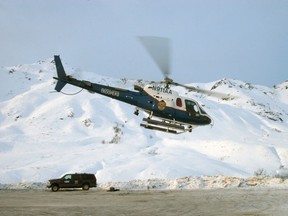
(44, 134)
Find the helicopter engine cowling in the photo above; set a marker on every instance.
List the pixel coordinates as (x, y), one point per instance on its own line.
(138, 88)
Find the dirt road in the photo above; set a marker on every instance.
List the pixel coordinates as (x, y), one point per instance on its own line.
(189, 202)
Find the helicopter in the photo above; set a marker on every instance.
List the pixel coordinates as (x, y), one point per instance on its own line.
(167, 110)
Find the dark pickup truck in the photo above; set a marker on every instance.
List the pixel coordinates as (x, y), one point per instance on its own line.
(76, 180)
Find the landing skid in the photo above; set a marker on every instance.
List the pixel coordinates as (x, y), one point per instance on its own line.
(165, 126)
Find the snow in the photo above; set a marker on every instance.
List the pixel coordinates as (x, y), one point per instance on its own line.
(44, 134)
(185, 183)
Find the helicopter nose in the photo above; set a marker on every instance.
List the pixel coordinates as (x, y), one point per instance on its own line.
(207, 120)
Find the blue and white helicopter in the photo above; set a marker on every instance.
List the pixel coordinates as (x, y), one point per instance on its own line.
(167, 110)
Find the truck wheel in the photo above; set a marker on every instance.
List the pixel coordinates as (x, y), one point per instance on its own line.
(85, 187)
(55, 188)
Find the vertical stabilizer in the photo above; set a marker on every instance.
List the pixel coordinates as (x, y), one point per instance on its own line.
(60, 73)
(59, 67)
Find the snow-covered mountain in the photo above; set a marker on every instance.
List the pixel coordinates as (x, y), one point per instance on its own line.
(44, 134)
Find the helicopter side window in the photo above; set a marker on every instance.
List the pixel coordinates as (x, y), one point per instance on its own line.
(179, 102)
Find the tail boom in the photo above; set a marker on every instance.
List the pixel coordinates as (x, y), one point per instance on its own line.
(123, 95)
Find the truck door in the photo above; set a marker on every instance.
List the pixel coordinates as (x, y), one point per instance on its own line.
(77, 180)
(67, 181)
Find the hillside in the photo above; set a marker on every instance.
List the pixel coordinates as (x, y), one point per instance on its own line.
(44, 134)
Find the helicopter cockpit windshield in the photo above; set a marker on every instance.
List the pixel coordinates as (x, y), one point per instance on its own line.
(193, 108)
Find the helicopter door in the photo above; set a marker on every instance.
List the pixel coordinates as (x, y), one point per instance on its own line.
(191, 108)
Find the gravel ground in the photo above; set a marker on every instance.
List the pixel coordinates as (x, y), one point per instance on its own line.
(149, 202)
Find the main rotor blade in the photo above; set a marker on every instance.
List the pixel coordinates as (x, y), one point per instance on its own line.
(159, 50)
(216, 94)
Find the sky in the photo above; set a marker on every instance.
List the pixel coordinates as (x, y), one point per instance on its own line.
(210, 39)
